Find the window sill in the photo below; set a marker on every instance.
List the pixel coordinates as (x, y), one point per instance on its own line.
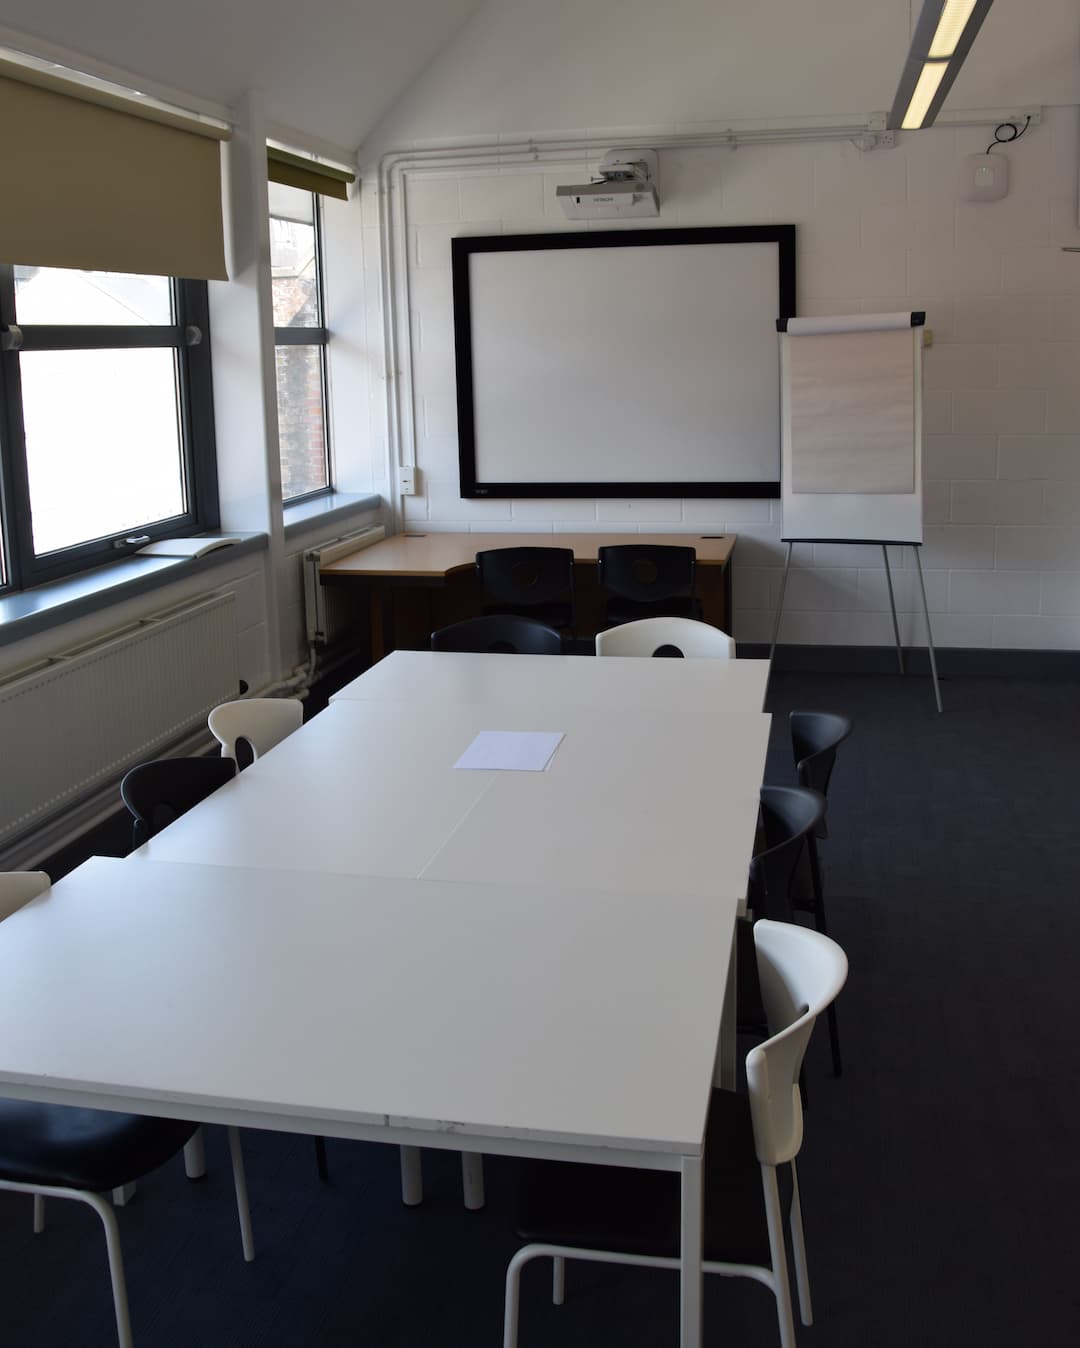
(333, 508)
(29, 612)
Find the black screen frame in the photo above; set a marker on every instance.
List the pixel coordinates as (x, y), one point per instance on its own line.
(462, 252)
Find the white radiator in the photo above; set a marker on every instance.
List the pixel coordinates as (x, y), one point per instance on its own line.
(75, 722)
(328, 612)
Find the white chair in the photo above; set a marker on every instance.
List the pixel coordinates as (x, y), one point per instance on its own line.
(60, 1151)
(261, 721)
(666, 636)
(609, 1215)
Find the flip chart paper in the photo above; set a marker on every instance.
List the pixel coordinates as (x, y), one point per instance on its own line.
(510, 751)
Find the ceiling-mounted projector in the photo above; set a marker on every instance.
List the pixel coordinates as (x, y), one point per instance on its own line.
(625, 189)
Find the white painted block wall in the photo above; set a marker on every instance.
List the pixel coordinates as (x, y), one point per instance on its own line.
(879, 230)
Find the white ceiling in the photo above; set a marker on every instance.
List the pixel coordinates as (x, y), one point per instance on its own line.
(528, 66)
(329, 68)
(339, 70)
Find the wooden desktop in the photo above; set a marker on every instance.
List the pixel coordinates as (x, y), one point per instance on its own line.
(414, 583)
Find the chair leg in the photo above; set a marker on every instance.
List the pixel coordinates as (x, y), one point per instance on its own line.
(243, 1211)
(472, 1180)
(39, 1214)
(513, 1295)
(798, 1250)
(412, 1179)
(123, 1195)
(116, 1266)
(320, 1160)
(558, 1280)
(778, 1254)
(817, 886)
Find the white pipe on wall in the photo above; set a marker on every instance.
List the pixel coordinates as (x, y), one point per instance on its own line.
(395, 165)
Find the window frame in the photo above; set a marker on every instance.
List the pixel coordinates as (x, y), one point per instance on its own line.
(318, 336)
(189, 338)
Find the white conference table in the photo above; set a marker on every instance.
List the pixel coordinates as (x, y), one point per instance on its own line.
(653, 799)
(729, 688)
(357, 940)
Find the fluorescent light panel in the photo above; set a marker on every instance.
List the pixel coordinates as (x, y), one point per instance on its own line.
(923, 96)
(950, 27)
(943, 36)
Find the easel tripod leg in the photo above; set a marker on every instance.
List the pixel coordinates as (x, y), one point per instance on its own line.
(892, 605)
(779, 614)
(929, 634)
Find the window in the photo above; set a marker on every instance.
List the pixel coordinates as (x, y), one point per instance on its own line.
(106, 417)
(300, 339)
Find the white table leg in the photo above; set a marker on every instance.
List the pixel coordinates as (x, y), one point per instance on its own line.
(195, 1156)
(472, 1180)
(724, 1074)
(691, 1275)
(412, 1179)
(122, 1196)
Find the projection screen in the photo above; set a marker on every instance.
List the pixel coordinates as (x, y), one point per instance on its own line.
(621, 363)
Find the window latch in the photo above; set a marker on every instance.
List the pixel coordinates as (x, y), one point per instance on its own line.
(193, 335)
(132, 541)
(11, 337)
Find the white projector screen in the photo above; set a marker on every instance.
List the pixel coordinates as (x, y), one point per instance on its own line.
(629, 363)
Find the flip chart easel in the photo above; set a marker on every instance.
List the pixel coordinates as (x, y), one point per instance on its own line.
(851, 442)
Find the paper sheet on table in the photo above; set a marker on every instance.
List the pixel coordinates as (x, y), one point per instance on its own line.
(510, 750)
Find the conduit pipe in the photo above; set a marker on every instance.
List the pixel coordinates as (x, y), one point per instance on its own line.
(395, 165)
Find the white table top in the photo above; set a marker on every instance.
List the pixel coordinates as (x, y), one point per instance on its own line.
(730, 687)
(362, 789)
(631, 800)
(216, 992)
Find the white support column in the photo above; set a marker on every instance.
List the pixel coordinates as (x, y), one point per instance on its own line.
(245, 380)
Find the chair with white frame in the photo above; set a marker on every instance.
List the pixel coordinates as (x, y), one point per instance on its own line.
(60, 1151)
(261, 722)
(666, 636)
(611, 1215)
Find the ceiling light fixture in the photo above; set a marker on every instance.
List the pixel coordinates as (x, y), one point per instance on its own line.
(943, 36)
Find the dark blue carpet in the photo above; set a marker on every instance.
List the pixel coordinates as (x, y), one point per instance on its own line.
(940, 1174)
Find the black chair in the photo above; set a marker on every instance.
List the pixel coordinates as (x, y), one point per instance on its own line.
(502, 633)
(60, 1151)
(535, 583)
(158, 792)
(647, 580)
(789, 817)
(815, 738)
(614, 1215)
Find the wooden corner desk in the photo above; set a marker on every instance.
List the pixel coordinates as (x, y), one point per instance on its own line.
(415, 583)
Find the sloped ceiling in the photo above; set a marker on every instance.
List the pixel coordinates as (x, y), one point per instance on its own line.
(532, 66)
(392, 71)
(329, 68)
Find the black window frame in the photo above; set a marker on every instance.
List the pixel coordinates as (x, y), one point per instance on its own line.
(318, 336)
(189, 337)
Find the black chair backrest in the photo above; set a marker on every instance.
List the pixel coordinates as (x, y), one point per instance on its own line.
(789, 817)
(523, 577)
(815, 738)
(498, 633)
(646, 572)
(160, 791)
